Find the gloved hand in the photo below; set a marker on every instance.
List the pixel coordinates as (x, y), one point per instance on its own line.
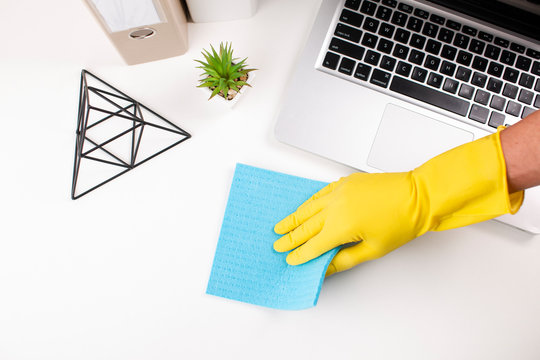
(381, 212)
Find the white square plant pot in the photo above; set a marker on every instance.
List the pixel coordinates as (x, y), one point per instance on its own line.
(234, 100)
(220, 10)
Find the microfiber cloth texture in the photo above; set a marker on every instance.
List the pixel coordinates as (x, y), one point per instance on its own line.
(246, 267)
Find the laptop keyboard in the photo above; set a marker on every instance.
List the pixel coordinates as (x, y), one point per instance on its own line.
(483, 78)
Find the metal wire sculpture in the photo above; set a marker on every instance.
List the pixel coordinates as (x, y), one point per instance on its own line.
(104, 109)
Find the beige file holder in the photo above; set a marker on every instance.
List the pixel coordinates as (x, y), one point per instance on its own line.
(143, 30)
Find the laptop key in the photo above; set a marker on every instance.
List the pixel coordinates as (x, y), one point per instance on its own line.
(448, 68)
(511, 74)
(508, 57)
(401, 51)
(497, 102)
(385, 46)
(421, 13)
(495, 69)
(481, 97)
(416, 57)
(537, 101)
(383, 13)
(485, 36)
(417, 41)
(415, 24)
(526, 80)
(477, 46)
(466, 91)
(464, 58)
(463, 74)
(513, 108)
(533, 53)
(387, 30)
(368, 8)
(371, 24)
(433, 46)
(536, 68)
(446, 35)
(403, 68)
(402, 36)
(501, 42)
(372, 57)
(362, 71)
(450, 85)
(432, 62)
(351, 18)
(537, 87)
(349, 33)
(347, 48)
(391, 3)
(453, 24)
(527, 111)
(479, 63)
(479, 113)
(448, 52)
(429, 95)
(346, 66)
(419, 74)
(479, 79)
(399, 18)
(494, 85)
(469, 30)
(380, 78)
(461, 41)
(388, 63)
(331, 60)
(437, 19)
(526, 96)
(510, 91)
(406, 8)
(435, 80)
(496, 119)
(352, 4)
(430, 29)
(517, 48)
(523, 63)
(492, 52)
(369, 40)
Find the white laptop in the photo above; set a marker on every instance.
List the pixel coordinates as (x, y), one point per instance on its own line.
(384, 85)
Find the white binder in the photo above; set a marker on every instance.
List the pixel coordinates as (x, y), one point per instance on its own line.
(143, 30)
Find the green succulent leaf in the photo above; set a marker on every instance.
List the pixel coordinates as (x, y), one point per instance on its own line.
(221, 71)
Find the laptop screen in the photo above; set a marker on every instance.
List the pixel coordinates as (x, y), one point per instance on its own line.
(520, 16)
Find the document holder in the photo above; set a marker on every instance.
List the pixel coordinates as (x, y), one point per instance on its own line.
(115, 134)
(143, 30)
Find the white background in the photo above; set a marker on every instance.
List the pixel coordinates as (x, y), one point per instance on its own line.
(121, 273)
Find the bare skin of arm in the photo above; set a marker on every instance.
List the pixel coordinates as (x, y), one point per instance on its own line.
(521, 148)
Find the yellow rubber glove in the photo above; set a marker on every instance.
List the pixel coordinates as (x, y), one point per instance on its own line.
(383, 211)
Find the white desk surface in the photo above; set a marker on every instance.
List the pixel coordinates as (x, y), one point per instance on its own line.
(121, 273)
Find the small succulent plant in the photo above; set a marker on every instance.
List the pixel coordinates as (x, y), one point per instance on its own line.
(222, 72)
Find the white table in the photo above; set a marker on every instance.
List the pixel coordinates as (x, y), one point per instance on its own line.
(121, 273)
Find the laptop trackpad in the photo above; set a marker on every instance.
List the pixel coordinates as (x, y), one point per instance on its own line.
(406, 139)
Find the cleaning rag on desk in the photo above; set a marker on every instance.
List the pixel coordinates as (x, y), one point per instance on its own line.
(246, 267)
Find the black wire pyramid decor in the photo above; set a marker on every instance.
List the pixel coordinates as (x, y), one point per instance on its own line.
(110, 141)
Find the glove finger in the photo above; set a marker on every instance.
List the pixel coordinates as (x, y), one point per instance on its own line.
(317, 245)
(301, 234)
(303, 213)
(351, 256)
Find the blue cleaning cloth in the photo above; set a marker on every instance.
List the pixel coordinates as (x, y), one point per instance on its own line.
(246, 267)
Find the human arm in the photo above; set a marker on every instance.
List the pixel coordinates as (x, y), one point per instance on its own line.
(380, 212)
(521, 148)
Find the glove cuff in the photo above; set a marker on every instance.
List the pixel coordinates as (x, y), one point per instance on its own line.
(466, 185)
